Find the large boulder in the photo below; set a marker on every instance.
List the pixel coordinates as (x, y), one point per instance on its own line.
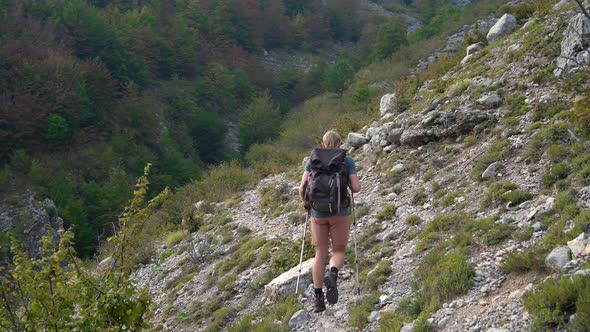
(286, 283)
(490, 100)
(459, 122)
(299, 319)
(558, 258)
(490, 172)
(357, 140)
(578, 245)
(387, 103)
(574, 46)
(394, 136)
(414, 137)
(505, 26)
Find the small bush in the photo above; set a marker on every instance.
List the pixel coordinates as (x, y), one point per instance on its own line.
(274, 198)
(359, 312)
(497, 234)
(361, 211)
(413, 220)
(552, 303)
(516, 105)
(432, 232)
(440, 278)
(379, 275)
(531, 259)
(4, 175)
(387, 213)
(175, 237)
(505, 191)
(449, 199)
(497, 151)
(20, 162)
(565, 203)
(556, 172)
(420, 197)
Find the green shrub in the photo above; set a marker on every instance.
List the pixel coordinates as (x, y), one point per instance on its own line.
(361, 211)
(497, 151)
(432, 232)
(440, 278)
(379, 275)
(530, 259)
(552, 303)
(544, 137)
(393, 321)
(580, 117)
(387, 213)
(556, 172)
(274, 318)
(502, 192)
(419, 197)
(516, 105)
(4, 175)
(565, 203)
(58, 129)
(274, 198)
(413, 220)
(220, 317)
(20, 162)
(359, 312)
(497, 234)
(175, 237)
(449, 199)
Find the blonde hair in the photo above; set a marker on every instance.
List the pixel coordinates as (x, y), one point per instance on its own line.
(331, 139)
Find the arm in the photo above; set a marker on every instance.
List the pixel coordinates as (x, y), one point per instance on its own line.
(355, 183)
(303, 184)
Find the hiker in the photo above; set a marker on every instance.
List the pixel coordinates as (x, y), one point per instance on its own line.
(334, 225)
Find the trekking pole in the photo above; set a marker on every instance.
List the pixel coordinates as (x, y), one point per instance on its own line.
(356, 257)
(301, 255)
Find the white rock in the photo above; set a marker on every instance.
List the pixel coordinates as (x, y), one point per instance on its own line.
(357, 140)
(574, 50)
(284, 284)
(578, 245)
(299, 319)
(398, 168)
(384, 299)
(443, 322)
(505, 25)
(387, 102)
(491, 170)
(545, 99)
(490, 101)
(559, 6)
(374, 316)
(408, 327)
(558, 258)
(474, 48)
(391, 197)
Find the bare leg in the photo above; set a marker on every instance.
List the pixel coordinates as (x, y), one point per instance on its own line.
(337, 259)
(318, 268)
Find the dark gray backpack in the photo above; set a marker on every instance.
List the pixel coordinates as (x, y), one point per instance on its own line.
(328, 181)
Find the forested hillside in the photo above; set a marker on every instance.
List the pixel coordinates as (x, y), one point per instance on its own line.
(91, 91)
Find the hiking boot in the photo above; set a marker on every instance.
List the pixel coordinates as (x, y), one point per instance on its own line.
(331, 289)
(318, 304)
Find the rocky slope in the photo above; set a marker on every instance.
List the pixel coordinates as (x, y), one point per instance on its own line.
(503, 92)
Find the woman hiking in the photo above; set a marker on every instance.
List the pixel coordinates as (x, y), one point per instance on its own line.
(329, 215)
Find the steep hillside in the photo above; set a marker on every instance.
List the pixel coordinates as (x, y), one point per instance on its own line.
(468, 189)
